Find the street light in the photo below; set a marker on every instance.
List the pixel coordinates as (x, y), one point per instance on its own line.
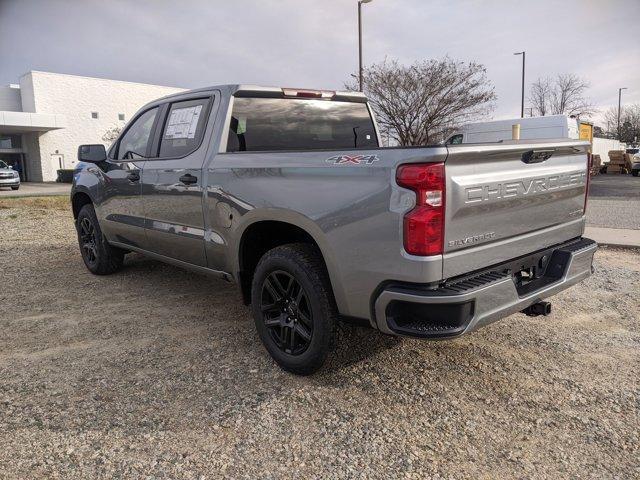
(522, 104)
(360, 2)
(619, 102)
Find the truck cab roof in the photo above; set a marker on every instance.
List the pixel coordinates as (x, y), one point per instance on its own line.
(268, 91)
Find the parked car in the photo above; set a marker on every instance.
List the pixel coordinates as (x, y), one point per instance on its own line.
(531, 128)
(8, 176)
(635, 160)
(289, 194)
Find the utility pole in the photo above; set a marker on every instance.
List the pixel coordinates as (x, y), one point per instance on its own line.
(619, 107)
(522, 102)
(360, 2)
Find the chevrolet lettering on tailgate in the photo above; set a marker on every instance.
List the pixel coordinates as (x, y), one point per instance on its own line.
(522, 188)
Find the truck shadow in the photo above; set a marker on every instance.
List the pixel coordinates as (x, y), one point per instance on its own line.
(354, 343)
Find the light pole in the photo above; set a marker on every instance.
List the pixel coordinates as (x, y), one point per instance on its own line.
(522, 103)
(360, 2)
(619, 106)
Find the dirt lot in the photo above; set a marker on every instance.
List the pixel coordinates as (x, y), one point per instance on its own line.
(155, 371)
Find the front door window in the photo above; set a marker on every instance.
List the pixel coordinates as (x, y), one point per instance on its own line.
(134, 143)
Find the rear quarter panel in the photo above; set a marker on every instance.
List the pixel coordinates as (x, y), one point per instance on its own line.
(353, 211)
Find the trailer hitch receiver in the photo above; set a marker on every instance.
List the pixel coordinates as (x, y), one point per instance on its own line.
(538, 308)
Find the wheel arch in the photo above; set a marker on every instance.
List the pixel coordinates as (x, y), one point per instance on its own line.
(78, 200)
(263, 234)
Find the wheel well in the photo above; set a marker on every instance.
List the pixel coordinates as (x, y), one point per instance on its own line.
(78, 201)
(260, 238)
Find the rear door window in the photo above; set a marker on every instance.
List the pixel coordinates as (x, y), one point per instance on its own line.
(272, 124)
(183, 128)
(135, 141)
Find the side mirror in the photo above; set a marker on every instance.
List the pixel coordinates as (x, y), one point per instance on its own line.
(92, 153)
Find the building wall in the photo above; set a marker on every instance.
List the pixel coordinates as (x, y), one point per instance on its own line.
(76, 98)
(602, 146)
(10, 99)
(26, 93)
(31, 149)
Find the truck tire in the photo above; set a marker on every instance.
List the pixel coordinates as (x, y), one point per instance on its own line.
(99, 257)
(635, 173)
(294, 308)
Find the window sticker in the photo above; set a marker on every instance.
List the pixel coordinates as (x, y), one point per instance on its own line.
(183, 122)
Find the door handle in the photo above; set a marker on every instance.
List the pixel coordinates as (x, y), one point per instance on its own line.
(134, 177)
(188, 179)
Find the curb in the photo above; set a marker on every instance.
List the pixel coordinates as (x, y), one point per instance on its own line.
(625, 246)
(614, 237)
(34, 195)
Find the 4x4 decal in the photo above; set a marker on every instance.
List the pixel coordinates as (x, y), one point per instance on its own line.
(352, 159)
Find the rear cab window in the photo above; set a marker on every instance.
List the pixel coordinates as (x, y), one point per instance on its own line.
(455, 140)
(280, 124)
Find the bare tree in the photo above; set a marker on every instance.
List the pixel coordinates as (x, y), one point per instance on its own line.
(563, 95)
(629, 123)
(111, 134)
(421, 103)
(540, 96)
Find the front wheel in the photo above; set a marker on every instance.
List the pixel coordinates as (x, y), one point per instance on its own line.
(293, 307)
(98, 256)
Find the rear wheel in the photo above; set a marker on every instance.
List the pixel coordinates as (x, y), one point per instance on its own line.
(293, 307)
(98, 256)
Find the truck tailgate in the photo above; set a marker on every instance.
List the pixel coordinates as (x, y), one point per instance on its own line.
(503, 201)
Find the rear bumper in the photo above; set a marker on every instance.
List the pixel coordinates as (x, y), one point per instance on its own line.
(462, 305)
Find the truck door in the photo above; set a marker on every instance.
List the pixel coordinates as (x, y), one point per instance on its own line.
(120, 208)
(172, 183)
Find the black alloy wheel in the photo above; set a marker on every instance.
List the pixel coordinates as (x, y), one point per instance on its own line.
(88, 240)
(98, 256)
(293, 307)
(286, 312)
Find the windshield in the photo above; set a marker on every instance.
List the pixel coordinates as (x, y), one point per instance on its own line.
(270, 124)
(3, 165)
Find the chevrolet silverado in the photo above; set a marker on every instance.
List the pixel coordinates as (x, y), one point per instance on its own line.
(289, 193)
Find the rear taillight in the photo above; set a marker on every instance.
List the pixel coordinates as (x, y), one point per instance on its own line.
(424, 225)
(586, 192)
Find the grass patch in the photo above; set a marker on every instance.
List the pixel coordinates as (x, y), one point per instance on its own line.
(48, 203)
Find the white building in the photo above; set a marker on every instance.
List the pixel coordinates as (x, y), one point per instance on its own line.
(46, 116)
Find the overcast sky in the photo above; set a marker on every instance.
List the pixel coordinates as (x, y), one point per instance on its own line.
(313, 43)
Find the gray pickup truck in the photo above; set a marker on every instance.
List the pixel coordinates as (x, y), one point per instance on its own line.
(288, 193)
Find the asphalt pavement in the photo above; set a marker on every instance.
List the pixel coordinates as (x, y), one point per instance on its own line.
(614, 202)
(34, 189)
(615, 186)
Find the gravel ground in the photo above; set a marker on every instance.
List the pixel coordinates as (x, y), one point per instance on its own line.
(158, 372)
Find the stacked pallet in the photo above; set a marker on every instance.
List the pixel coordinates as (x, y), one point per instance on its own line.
(617, 162)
